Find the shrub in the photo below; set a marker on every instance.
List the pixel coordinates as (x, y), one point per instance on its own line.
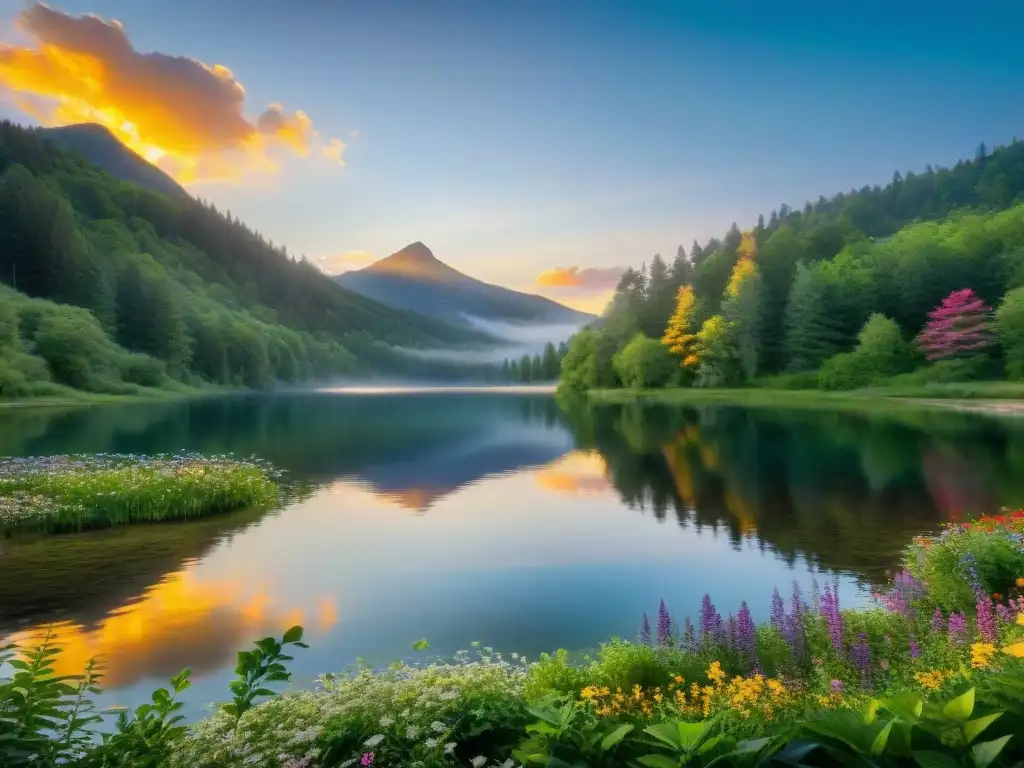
(1010, 328)
(143, 370)
(847, 370)
(644, 363)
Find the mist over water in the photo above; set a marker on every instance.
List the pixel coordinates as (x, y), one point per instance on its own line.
(519, 339)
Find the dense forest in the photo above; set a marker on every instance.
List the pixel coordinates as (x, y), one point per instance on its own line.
(543, 367)
(111, 287)
(850, 291)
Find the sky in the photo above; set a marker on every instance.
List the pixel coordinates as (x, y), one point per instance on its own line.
(539, 145)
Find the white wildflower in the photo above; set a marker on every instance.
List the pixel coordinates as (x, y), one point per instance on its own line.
(431, 743)
(412, 732)
(386, 721)
(438, 727)
(374, 740)
(450, 747)
(477, 761)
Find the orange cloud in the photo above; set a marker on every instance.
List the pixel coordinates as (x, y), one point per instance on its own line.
(590, 279)
(181, 114)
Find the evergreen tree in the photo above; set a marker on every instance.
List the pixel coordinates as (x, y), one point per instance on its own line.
(525, 369)
(741, 309)
(550, 364)
(811, 336)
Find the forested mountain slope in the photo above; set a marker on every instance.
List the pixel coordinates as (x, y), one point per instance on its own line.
(172, 279)
(100, 147)
(802, 283)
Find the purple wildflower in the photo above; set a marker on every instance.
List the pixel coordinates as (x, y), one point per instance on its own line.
(645, 631)
(366, 759)
(829, 606)
(1005, 613)
(664, 631)
(861, 654)
(778, 610)
(708, 613)
(837, 686)
(938, 623)
(794, 629)
(957, 628)
(915, 649)
(689, 637)
(732, 633)
(968, 562)
(815, 596)
(986, 619)
(746, 632)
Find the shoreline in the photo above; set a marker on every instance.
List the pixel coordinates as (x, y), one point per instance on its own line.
(983, 400)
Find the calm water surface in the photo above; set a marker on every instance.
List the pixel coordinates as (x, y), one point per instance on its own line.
(491, 516)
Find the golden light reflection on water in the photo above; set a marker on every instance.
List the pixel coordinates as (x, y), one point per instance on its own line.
(184, 620)
(583, 473)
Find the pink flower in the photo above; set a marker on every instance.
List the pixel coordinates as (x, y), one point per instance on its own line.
(367, 759)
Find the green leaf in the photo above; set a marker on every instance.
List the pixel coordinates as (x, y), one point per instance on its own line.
(421, 645)
(935, 760)
(615, 737)
(691, 733)
(752, 745)
(293, 635)
(878, 745)
(657, 761)
(987, 751)
(960, 708)
(973, 728)
(666, 733)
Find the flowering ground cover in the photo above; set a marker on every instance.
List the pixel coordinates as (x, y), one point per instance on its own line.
(930, 675)
(72, 493)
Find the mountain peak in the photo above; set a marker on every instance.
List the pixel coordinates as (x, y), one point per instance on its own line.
(415, 260)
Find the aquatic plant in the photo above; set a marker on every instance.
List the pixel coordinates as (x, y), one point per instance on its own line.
(73, 493)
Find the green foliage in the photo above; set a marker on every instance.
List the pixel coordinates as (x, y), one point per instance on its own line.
(563, 735)
(810, 326)
(881, 352)
(72, 493)
(1009, 324)
(258, 668)
(644, 363)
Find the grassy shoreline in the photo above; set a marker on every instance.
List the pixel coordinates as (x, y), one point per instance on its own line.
(987, 397)
(57, 494)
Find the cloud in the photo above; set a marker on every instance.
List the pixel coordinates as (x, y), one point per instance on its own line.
(583, 279)
(336, 263)
(184, 115)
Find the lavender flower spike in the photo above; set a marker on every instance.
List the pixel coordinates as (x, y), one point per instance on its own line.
(645, 631)
(746, 632)
(708, 614)
(664, 631)
(778, 610)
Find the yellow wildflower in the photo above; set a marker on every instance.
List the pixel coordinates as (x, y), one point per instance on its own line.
(1017, 649)
(715, 673)
(1020, 619)
(678, 680)
(590, 692)
(931, 680)
(1020, 582)
(981, 654)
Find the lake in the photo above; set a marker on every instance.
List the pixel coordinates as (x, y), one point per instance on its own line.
(492, 516)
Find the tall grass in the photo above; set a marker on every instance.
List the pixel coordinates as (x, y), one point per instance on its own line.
(73, 493)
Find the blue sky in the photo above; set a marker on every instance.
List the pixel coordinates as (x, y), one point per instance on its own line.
(517, 137)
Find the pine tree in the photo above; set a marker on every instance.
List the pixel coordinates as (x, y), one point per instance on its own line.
(811, 334)
(550, 364)
(958, 326)
(525, 369)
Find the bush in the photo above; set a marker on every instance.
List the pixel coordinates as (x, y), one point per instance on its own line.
(1010, 328)
(143, 370)
(644, 363)
(847, 370)
(801, 380)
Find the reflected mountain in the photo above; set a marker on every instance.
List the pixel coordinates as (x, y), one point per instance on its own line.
(847, 491)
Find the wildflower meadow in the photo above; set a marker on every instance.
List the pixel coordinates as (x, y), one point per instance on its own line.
(72, 493)
(930, 674)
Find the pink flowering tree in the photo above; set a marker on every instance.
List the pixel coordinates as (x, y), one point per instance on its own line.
(958, 326)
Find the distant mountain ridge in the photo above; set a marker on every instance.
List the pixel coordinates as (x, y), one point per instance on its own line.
(103, 149)
(414, 279)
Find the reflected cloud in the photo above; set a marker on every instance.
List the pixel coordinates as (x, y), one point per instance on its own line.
(182, 621)
(582, 473)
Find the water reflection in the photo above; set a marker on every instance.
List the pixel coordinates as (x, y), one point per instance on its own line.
(534, 527)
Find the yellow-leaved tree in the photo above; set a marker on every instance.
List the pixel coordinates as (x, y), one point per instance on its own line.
(680, 336)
